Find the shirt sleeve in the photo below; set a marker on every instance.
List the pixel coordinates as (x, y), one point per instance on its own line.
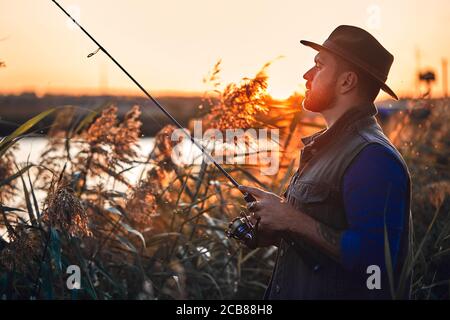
(374, 195)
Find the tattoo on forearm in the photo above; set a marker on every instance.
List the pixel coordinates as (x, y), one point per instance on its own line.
(331, 236)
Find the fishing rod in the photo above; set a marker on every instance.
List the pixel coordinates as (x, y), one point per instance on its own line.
(248, 197)
(240, 228)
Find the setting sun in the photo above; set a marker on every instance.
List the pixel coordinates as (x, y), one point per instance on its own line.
(279, 92)
(174, 49)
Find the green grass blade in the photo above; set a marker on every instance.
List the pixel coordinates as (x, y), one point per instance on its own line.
(387, 250)
(35, 202)
(8, 141)
(14, 176)
(55, 249)
(28, 201)
(424, 239)
(88, 119)
(133, 231)
(388, 262)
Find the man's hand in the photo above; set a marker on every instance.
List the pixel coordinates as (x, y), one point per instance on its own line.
(266, 238)
(277, 217)
(273, 212)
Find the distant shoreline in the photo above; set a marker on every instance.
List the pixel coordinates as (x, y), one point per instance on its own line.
(17, 109)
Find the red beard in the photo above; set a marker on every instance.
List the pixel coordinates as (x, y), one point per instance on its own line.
(317, 102)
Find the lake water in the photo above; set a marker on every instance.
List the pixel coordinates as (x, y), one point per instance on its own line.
(31, 150)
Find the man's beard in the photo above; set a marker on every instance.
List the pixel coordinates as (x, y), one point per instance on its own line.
(320, 101)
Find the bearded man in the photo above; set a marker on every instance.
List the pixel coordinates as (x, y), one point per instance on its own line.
(352, 189)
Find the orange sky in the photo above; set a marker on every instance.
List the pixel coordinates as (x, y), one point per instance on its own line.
(170, 45)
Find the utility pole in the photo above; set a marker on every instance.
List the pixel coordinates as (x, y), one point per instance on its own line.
(444, 78)
(417, 76)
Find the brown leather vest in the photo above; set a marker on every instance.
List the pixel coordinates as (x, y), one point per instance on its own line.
(301, 271)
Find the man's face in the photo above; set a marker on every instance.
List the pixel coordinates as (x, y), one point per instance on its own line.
(321, 83)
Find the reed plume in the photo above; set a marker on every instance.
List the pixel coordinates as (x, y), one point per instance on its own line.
(238, 104)
(63, 210)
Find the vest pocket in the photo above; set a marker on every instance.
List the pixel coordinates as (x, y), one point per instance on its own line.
(309, 193)
(313, 199)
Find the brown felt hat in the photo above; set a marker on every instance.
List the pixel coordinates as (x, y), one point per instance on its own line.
(360, 48)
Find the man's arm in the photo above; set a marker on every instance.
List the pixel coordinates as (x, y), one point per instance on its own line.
(374, 189)
(326, 239)
(369, 206)
(278, 218)
(299, 225)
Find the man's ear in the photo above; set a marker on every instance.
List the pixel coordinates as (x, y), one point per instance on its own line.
(348, 81)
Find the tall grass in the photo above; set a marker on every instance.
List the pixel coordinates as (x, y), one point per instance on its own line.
(162, 236)
(422, 135)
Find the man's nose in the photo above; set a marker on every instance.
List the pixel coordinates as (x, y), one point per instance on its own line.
(309, 74)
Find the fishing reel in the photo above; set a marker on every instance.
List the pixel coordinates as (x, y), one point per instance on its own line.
(243, 230)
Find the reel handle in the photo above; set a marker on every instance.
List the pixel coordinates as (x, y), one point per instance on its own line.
(249, 198)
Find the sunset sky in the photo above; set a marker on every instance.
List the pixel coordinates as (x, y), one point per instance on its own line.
(169, 46)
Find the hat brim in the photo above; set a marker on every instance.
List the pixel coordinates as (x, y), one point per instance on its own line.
(319, 47)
